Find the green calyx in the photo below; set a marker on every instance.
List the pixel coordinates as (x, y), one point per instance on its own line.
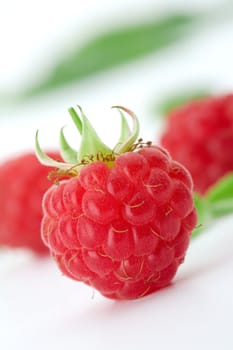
(91, 146)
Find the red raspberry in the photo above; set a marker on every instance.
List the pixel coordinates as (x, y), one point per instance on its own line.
(121, 226)
(200, 136)
(23, 181)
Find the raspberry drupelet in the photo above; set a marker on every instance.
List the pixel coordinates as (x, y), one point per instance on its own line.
(122, 224)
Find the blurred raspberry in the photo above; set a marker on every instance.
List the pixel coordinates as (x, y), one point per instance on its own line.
(23, 181)
(200, 136)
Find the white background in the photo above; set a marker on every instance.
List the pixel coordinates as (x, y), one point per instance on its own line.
(40, 309)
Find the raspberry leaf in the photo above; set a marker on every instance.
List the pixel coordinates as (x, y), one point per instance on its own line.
(115, 47)
(220, 196)
(204, 214)
(217, 202)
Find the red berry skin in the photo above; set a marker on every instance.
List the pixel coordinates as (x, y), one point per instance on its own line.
(200, 136)
(23, 181)
(123, 230)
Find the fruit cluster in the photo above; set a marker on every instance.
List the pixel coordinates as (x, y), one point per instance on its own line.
(122, 230)
(121, 225)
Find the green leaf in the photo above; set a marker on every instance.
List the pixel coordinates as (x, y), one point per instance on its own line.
(220, 196)
(218, 201)
(203, 213)
(114, 48)
(174, 101)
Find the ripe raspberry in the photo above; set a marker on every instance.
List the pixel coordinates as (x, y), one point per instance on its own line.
(121, 224)
(200, 136)
(23, 181)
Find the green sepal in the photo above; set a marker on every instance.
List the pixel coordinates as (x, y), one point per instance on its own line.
(69, 154)
(91, 145)
(76, 119)
(45, 159)
(125, 132)
(133, 136)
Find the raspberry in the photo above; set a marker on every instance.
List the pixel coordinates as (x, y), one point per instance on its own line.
(121, 225)
(200, 136)
(23, 181)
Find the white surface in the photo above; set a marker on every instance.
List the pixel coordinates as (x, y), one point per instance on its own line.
(40, 309)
